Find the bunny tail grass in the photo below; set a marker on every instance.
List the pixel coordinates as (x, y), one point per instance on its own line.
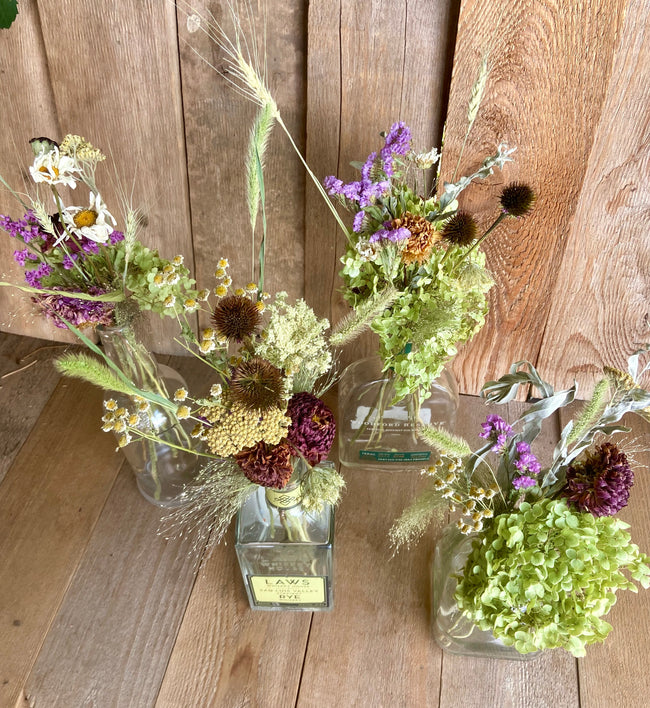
(443, 441)
(353, 324)
(87, 368)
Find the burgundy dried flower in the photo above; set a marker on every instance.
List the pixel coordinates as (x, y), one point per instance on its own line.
(266, 465)
(312, 426)
(600, 483)
(81, 313)
(236, 317)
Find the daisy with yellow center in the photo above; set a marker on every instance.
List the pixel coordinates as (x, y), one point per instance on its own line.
(94, 222)
(180, 394)
(207, 346)
(169, 301)
(223, 263)
(110, 404)
(183, 412)
(53, 168)
(221, 291)
(219, 273)
(178, 260)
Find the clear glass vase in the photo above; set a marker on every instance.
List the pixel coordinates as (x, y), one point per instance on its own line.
(452, 630)
(161, 469)
(286, 552)
(374, 431)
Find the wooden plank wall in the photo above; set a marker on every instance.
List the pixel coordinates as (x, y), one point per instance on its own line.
(567, 87)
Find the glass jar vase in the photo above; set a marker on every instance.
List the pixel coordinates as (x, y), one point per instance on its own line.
(452, 630)
(285, 552)
(162, 468)
(376, 432)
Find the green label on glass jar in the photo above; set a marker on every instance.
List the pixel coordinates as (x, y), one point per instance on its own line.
(288, 589)
(385, 456)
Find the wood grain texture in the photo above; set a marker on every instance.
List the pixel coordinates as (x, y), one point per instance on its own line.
(111, 639)
(369, 65)
(27, 110)
(600, 312)
(217, 125)
(229, 655)
(115, 79)
(50, 501)
(549, 680)
(612, 673)
(551, 65)
(27, 380)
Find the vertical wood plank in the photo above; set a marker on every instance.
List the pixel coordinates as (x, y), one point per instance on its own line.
(612, 673)
(115, 78)
(599, 310)
(27, 110)
(548, 680)
(50, 501)
(111, 640)
(229, 655)
(27, 380)
(370, 64)
(217, 125)
(551, 67)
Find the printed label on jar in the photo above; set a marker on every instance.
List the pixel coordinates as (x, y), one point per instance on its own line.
(386, 456)
(288, 590)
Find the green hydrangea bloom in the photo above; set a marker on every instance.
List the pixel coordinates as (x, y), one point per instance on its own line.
(544, 576)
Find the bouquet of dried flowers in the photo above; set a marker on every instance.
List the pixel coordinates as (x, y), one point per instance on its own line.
(423, 252)
(262, 415)
(81, 269)
(548, 554)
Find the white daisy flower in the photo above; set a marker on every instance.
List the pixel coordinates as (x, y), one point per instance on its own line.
(94, 222)
(54, 168)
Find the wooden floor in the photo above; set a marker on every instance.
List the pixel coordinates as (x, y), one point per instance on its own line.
(97, 609)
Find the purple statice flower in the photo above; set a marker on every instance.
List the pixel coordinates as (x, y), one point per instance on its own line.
(523, 482)
(352, 191)
(367, 167)
(526, 461)
(90, 246)
(81, 313)
(333, 185)
(357, 222)
(22, 256)
(600, 483)
(398, 142)
(33, 277)
(26, 229)
(390, 234)
(312, 426)
(68, 260)
(116, 237)
(496, 430)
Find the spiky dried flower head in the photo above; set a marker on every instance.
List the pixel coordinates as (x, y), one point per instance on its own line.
(461, 229)
(257, 385)
(236, 317)
(423, 236)
(517, 199)
(600, 483)
(267, 465)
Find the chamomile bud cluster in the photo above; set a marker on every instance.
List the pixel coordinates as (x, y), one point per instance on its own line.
(473, 502)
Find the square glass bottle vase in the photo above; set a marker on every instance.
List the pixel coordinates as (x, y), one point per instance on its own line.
(285, 553)
(375, 432)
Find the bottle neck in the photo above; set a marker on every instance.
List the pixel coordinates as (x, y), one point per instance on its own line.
(290, 495)
(122, 346)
